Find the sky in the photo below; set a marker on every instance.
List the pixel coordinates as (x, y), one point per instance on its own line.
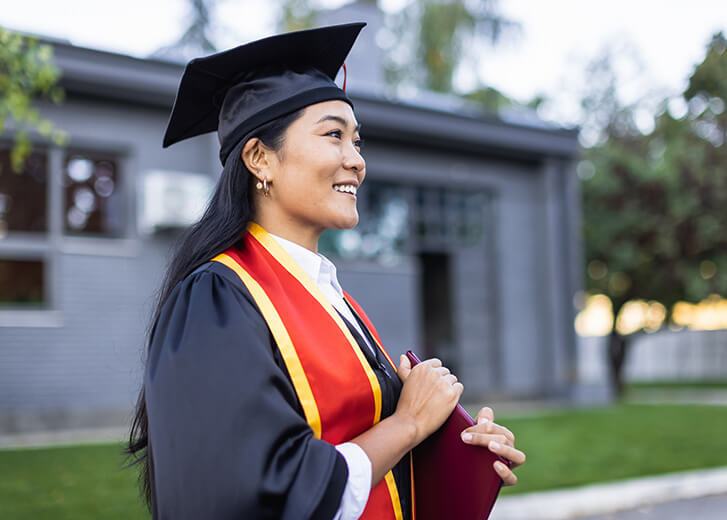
(558, 37)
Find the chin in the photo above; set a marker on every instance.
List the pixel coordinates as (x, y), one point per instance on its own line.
(345, 222)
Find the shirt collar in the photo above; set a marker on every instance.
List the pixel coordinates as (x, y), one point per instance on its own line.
(318, 267)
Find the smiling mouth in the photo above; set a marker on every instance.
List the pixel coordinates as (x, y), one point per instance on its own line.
(347, 189)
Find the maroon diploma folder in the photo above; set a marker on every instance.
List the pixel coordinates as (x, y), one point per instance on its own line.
(453, 479)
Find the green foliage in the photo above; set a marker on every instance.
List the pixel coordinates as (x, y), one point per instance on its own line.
(435, 37)
(654, 203)
(440, 40)
(84, 482)
(431, 39)
(577, 447)
(296, 15)
(27, 72)
(494, 100)
(446, 29)
(74, 482)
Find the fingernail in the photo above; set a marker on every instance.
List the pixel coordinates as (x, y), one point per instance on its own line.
(467, 437)
(494, 445)
(482, 420)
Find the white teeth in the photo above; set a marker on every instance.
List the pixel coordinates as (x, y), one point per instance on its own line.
(347, 188)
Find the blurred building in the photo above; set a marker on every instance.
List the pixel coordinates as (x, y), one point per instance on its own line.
(467, 247)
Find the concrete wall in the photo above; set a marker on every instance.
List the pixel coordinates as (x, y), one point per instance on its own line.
(678, 355)
(79, 364)
(513, 341)
(685, 355)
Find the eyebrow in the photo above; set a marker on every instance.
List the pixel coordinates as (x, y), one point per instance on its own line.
(338, 119)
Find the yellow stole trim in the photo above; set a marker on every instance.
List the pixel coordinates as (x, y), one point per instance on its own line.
(394, 494)
(282, 256)
(287, 349)
(285, 344)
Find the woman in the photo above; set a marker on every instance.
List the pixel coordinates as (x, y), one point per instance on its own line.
(267, 392)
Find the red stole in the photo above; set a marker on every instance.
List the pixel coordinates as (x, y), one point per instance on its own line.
(337, 388)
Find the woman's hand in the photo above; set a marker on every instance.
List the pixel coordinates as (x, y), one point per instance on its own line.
(428, 397)
(499, 440)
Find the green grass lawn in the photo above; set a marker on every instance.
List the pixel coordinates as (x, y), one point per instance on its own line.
(75, 482)
(564, 448)
(701, 384)
(578, 447)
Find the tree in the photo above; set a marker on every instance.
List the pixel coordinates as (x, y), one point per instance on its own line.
(654, 203)
(495, 100)
(296, 15)
(433, 37)
(197, 39)
(438, 36)
(27, 73)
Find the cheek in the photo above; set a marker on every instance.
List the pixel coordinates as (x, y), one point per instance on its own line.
(308, 186)
(313, 172)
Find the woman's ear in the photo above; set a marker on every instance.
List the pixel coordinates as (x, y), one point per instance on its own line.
(257, 158)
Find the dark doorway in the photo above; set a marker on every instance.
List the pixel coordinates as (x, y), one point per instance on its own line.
(437, 328)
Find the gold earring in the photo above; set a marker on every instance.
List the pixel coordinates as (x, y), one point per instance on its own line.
(263, 186)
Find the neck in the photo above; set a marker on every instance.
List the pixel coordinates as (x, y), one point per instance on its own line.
(291, 229)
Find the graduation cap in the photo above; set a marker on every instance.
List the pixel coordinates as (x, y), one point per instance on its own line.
(237, 90)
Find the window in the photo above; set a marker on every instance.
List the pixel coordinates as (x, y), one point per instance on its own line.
(22, 283)
(59, 196)
(383, 229)
(23, 201)
(92, 201)
(24, 227)
(450, 216)
(396, 220)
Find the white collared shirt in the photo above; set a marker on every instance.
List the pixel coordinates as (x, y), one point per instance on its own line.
(322, 271)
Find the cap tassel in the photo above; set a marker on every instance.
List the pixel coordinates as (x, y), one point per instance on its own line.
(344, 76)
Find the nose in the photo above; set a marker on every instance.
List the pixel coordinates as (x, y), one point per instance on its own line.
(354, 161)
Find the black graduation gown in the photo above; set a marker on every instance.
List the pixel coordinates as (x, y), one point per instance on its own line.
(227, 433)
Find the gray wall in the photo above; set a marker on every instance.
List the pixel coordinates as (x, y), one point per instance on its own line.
(514, 291)
(79, 363)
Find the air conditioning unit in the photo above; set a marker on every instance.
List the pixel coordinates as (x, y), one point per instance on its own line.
(172, 199)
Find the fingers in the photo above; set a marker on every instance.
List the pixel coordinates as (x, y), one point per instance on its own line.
(432, 367)
(482, 439)
(450, 378)
(442, 370)
(508, 477)
(510, 453)
(404, 362)
(459, 388)
(496, 443)
(434, 362)
(404, 367)
(493, 428)
(485, 413)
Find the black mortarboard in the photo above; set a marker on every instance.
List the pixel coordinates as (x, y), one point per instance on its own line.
(237, 90)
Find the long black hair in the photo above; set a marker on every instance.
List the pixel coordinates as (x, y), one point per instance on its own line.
(227, 215)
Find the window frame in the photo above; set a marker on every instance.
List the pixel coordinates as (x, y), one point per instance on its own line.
(48, 246)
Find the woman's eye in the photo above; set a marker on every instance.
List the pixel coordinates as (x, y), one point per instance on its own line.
(338, 133)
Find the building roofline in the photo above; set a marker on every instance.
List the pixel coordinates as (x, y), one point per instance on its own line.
(153, 82)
